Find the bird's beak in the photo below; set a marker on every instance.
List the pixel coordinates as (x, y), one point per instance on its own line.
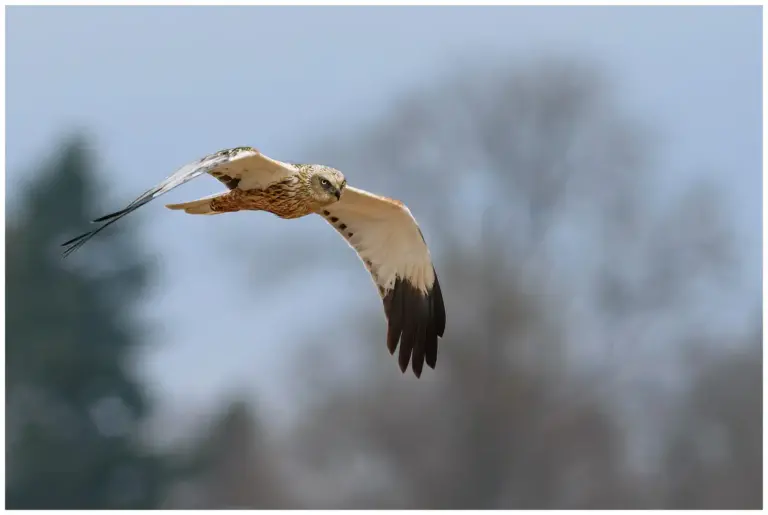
(338, 194)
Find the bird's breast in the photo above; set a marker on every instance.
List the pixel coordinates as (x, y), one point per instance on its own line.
(285, 199)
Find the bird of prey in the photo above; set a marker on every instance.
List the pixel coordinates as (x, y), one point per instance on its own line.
(382, 231)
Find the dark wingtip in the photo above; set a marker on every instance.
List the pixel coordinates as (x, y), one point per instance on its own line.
(403, 362)
(79, 241)
(393, 306)
(109, 216)
(415, 321)
(438, 306)
(75, 243)
(75, 239)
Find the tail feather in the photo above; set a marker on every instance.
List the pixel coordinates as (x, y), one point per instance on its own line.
(197, 207)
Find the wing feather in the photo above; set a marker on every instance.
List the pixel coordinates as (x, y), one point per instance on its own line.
(393, 309)
(239, 167)
(388, 240)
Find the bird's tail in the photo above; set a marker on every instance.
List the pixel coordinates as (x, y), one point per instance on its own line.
(198, 207)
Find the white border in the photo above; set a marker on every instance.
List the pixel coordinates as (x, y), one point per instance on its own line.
(391, 2)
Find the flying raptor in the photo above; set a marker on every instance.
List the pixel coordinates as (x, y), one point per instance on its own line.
(382, 231)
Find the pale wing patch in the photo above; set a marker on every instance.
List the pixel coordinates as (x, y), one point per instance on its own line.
(389, 242)
(385, 236)
(252, 170)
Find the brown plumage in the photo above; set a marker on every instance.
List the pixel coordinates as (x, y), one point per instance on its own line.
(287, 199)
(293, 196)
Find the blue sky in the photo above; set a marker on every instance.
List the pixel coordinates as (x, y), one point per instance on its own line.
(158, 87)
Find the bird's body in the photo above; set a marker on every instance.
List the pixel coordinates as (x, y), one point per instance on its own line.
(381, 230)
(286, 199)
(289, 195)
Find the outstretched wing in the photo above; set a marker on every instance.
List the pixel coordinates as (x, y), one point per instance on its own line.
(392, 247)
(241, 167)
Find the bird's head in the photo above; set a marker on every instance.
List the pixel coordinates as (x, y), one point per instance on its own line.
(326, 185)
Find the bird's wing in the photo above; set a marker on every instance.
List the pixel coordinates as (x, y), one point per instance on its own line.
(240, 167)
(390, 244)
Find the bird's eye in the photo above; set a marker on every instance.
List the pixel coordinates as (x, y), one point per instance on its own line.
(325, 183)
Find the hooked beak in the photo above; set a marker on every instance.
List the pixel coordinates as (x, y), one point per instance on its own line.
(338, 194)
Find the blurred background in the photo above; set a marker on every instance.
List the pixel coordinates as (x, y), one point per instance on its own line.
(588, 180)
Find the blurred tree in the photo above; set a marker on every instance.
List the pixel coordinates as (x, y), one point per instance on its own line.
(72, 408)
(715, 458)
(491, 430)
(232, 466)
(537, 197)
